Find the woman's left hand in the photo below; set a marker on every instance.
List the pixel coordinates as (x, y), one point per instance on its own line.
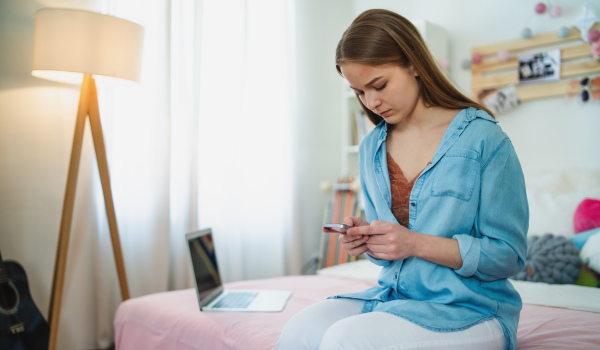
(387, 240)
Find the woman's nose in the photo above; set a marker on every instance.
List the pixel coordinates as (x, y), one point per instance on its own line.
(372, 101)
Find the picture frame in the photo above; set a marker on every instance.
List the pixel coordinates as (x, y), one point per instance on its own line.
(543, 66)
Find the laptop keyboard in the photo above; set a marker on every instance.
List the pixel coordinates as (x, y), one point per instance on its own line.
(237, 300)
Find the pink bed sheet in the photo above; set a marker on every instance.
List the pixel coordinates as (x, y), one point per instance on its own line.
(172, 320)
(542, 327)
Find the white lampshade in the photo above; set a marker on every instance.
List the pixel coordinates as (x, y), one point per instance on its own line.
(69, 43)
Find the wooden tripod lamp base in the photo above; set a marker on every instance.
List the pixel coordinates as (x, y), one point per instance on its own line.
(88, 106)
(69, 44)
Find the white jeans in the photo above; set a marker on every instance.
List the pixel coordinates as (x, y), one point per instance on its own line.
(339, 324)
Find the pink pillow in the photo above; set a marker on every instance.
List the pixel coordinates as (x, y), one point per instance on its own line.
(587, 215)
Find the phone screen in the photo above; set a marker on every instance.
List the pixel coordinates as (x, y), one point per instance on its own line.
(337, 227)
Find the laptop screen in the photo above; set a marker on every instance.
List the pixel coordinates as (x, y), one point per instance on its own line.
(204, 265)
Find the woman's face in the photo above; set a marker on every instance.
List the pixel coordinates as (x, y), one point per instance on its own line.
(388, 90)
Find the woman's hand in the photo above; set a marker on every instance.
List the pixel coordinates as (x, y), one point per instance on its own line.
(391, 241)
(353, 244)
(387, 240)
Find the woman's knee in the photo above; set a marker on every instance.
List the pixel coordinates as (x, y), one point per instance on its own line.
(344, 335)
(306, 328)
(297, 334)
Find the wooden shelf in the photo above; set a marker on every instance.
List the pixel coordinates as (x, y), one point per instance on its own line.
(491, 73)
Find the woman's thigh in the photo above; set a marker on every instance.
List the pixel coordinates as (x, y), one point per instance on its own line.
(380, 330)
(306, 328)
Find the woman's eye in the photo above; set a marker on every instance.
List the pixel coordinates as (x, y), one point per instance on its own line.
(381, 87)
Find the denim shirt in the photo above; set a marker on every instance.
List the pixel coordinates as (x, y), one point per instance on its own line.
(472, 191)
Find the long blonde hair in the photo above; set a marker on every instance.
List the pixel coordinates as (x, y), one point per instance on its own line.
(379, 37)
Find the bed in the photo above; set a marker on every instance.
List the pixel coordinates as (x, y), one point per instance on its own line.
(172, 320)
(554, 316)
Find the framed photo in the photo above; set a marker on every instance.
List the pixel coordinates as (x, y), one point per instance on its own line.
(544, 66)
(502, 101)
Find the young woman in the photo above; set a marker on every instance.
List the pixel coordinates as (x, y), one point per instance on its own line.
(446, 208)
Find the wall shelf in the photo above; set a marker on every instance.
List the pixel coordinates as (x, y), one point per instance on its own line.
(491, 73)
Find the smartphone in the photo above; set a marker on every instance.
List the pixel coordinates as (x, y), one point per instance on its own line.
(337, 227)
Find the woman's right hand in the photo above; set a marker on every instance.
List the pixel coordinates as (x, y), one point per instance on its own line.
(354, 244)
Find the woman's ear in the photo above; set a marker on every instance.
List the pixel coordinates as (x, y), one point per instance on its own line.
(413, 71)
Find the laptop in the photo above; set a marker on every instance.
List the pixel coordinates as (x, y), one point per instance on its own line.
(209, 289)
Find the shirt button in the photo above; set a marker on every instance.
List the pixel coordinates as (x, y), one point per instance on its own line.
(396, 277)
(413, 204)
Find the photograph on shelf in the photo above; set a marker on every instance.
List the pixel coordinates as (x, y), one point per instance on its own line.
(543, 66)
(502, 100)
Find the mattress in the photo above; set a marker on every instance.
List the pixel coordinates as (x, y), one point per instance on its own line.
(172, 320)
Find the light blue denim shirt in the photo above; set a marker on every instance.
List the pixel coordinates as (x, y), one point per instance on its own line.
(473, 191)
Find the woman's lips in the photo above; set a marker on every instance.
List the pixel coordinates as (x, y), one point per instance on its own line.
(385, 113)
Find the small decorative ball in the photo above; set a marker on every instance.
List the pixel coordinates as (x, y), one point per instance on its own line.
(503, 55)
(476, 58)
(564, 32)
(444, 62)
(556, 11)
(593, 35)
(526, 33)
(540, 8)
(466, 63)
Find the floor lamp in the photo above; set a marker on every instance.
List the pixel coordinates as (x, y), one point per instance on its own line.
(75, 46)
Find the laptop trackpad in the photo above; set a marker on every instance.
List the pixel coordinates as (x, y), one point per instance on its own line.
(270, 300)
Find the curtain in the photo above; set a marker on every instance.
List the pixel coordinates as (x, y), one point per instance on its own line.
(205, 140)
(136, 125)
(232, 111)
(245, 109)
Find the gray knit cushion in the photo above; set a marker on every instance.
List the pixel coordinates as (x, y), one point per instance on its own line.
(550, 259)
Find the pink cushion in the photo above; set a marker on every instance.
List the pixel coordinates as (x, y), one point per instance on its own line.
(587, 215)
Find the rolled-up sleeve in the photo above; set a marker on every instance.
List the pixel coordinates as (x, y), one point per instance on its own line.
(470, 250)
(497, 247)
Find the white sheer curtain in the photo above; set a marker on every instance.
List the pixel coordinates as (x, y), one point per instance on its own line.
(137, 133)
(245, 109)
(204, 140)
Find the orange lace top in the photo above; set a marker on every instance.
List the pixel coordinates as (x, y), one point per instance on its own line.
(401, 189)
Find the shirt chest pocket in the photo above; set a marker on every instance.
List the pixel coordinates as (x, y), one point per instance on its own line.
(456, 173)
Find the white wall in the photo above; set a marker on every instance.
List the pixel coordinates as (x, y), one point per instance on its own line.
(547, 134)
(319, 26)
(37, 121)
